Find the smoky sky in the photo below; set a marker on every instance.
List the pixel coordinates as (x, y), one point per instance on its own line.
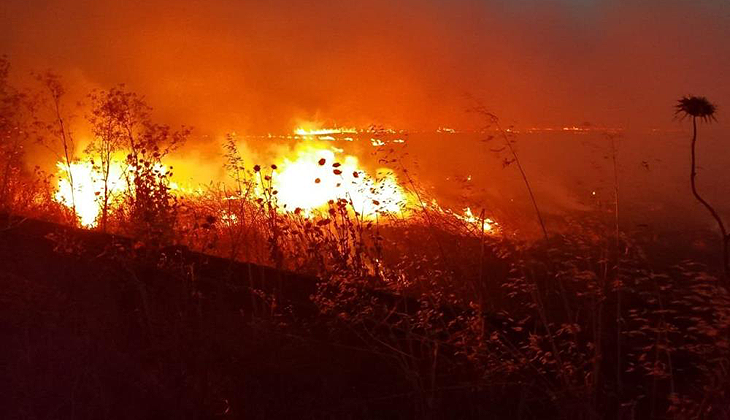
(417, 64)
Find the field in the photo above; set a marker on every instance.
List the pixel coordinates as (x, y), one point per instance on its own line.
(324, 283)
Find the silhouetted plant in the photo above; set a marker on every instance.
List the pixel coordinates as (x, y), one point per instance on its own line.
(107, 140)
(698, 107)
(514, 158)
(122, 121)
(57, 127)
(16, 111)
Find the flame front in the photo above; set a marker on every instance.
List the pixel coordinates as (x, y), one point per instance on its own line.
(484, 223)
(88, 185)
(307, 178)
(306, 132)
(314, 175)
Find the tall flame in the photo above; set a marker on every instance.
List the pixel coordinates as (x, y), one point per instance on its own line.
(88, 185)
(308, 179)
(315, 175)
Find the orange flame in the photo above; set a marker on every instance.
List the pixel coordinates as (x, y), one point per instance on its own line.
(315, 175)
(307, 179)
(87, 188)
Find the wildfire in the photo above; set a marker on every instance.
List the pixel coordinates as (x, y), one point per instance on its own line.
(313, 176)
(88, 185)
(484, 223)
(87, 193)
(323, 131)
(307, 178)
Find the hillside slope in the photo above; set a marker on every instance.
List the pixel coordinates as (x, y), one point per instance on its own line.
(93, 328)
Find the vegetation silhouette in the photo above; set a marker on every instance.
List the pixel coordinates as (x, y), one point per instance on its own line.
(698, 107)
(222, 303)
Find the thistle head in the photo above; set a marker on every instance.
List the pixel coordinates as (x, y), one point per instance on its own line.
(696, 107)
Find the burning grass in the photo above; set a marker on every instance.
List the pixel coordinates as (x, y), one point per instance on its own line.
(575, 325)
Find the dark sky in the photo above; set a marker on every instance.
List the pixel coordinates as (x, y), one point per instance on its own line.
(262, 66)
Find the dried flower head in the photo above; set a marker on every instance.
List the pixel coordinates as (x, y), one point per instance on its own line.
(696, 107)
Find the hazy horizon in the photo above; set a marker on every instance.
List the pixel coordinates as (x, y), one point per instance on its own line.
(416, 65)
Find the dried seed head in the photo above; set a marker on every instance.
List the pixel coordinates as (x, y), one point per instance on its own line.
(696, 107)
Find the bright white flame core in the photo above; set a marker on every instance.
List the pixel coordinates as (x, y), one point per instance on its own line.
(307, 178)
(88, 188)
(315, 175)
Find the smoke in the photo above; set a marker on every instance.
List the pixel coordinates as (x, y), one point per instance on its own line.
(260, 66)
